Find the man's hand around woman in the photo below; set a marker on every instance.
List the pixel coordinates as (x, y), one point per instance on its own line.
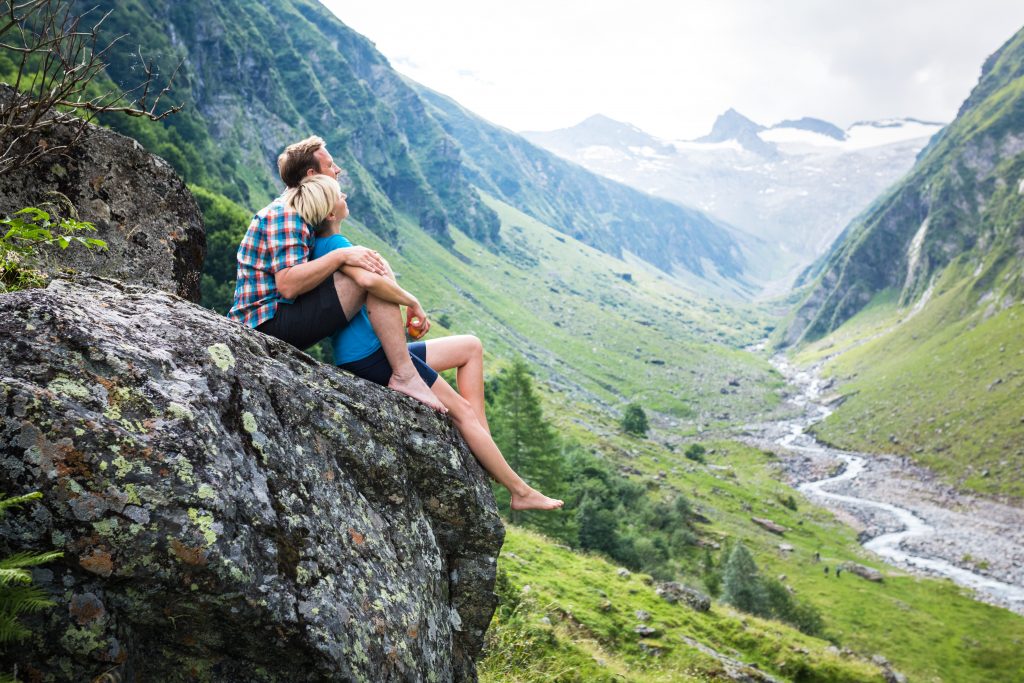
(364, 258)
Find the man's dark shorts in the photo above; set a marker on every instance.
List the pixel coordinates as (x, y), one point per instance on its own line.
(311, 317)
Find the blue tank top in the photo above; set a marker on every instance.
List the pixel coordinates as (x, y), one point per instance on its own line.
(357, 340)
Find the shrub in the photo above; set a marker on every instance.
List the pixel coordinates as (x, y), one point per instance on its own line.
(695, 452)
(634, 420)
(27, 232)
(741, 584)
(744, 588)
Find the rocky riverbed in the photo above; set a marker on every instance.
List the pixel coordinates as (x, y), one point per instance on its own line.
(903, 511)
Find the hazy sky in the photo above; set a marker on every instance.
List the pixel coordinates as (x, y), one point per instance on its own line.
(671, 67)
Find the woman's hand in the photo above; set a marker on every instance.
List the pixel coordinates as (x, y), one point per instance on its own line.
(364, 258)
(416, 311)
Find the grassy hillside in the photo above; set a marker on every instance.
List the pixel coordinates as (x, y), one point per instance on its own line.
(942, 385)
(571, 617)
(589, 343)
(929, 629)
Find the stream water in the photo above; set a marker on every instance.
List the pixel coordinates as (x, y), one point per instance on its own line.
(907, 516)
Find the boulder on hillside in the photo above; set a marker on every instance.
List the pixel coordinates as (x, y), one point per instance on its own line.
(769, 525)
(228, 508)
(151, 223)
(673, 592)
(862, 571)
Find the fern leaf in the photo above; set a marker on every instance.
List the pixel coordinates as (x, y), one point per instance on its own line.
(28, 559)
(10, 629)
(10, 577)
(23, 600)
(17, 500)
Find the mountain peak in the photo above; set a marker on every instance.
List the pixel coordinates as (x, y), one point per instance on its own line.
(731, 125)
(600, 120)
(815, 126)
(597, 129)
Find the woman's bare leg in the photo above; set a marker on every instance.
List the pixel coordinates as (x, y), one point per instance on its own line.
(486, 451)
(466, 353)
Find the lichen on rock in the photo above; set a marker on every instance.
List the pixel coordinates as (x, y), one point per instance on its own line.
(268, 518)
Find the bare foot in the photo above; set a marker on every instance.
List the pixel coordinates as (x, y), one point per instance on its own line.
(535, 500)
(414, 386)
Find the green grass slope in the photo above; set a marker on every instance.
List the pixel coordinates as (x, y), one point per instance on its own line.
(571, 617)
(930, 630)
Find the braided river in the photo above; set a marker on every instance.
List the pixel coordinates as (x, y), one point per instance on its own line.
(904, 513)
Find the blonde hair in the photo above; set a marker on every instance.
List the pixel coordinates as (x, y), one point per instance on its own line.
(313, 199)
(297, 159)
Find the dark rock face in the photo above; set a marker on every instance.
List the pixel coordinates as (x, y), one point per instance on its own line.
(229, 509)
(150, 221)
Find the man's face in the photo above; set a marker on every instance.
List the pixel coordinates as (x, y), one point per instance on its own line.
(327, 165)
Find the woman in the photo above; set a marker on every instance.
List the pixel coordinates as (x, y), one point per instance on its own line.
(320, 202)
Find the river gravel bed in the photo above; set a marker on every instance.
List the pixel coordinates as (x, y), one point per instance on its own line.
(902, 510)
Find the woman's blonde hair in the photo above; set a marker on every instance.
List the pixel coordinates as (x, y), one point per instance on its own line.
(313, 199)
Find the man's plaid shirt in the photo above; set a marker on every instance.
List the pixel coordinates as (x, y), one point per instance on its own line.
(277, 238)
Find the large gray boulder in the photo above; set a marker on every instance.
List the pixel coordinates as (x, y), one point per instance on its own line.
(230, 509)
(150, 221)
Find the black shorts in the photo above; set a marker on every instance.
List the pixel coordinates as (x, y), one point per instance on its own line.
(376, 368)
(311, 317)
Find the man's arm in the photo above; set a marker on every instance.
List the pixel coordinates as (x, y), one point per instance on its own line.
(299, 279)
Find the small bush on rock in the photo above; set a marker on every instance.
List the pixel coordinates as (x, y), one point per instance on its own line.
(27, 232)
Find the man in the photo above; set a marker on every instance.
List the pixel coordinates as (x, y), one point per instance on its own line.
(281, 292)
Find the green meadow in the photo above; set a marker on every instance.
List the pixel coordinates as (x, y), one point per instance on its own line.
(596, 340)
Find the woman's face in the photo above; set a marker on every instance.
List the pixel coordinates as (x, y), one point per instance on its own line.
(340, 208)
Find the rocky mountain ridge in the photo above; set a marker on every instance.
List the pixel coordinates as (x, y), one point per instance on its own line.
(255, 86)
(605, 214)
(961, 205)
(794, 185)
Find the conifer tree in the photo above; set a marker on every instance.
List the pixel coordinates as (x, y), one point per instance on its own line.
(527, 440)
(741, 584)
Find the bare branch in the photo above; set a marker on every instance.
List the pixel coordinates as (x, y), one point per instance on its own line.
(58, 63)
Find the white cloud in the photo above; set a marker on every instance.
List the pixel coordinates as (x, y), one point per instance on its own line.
(670, 68)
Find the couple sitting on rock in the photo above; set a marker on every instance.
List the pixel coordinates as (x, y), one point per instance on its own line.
(300, 280)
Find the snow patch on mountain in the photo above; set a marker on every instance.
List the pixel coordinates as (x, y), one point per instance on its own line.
(795, 185)
(865, 134)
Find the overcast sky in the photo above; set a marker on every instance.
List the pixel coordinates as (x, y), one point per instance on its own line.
(671, 67)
